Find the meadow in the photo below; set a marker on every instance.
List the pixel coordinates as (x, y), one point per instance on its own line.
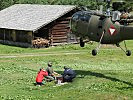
(107, 76)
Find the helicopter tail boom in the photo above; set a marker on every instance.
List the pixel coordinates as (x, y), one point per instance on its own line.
(126, 32)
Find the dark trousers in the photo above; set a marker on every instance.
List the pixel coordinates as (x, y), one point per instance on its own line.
(67, 78)
(39, 83)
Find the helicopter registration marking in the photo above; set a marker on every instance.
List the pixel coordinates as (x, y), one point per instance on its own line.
(112, 30)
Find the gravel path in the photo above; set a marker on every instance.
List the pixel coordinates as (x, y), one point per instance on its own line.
(38, 54)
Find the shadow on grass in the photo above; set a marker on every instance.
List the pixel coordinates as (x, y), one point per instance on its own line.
(100, 75)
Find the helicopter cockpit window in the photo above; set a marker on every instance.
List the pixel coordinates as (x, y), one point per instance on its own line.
(74, 21)
(85, 18)
(76, 16)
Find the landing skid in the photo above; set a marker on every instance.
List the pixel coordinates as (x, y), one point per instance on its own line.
(127, 52)
(94, 51)
(82, 44)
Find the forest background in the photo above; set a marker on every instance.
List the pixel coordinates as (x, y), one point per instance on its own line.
(90, 4)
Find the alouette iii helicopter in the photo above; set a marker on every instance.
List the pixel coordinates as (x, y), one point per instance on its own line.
(110, 27)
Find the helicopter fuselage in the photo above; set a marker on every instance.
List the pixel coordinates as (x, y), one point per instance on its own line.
(84, 24)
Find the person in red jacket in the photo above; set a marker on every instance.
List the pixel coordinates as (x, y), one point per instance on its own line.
(40, 76)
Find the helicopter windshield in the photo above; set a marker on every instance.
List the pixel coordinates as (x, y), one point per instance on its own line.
(83, 16)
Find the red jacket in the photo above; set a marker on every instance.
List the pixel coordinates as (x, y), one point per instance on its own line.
(40, 76)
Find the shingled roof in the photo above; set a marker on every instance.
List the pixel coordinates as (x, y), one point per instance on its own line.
(31, 17)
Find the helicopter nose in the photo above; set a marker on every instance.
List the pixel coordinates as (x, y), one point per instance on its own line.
(79, 23)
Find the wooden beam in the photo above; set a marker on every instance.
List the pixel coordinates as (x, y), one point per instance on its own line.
(58, 38)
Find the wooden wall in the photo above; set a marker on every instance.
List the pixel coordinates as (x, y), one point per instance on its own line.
(60, 30)
(15, 37)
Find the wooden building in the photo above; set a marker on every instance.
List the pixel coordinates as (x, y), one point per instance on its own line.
(20, 24)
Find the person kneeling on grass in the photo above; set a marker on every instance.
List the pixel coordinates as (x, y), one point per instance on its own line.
(51, 73)
(40, 76)
(68, 74)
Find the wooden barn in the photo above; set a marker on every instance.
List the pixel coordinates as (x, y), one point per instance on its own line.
(30, 25)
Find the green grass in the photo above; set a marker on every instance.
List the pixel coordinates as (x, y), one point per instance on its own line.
(107, 76)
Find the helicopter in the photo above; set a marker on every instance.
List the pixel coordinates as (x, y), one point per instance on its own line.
(104, 28)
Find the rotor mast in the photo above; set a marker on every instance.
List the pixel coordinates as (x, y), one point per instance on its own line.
(108, 12)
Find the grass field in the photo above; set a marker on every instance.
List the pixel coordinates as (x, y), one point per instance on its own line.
(107, 76)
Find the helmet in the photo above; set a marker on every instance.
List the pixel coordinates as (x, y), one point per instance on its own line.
(65, 67)
(50, 64)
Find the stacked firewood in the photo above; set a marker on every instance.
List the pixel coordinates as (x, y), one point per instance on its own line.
(40, 43)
